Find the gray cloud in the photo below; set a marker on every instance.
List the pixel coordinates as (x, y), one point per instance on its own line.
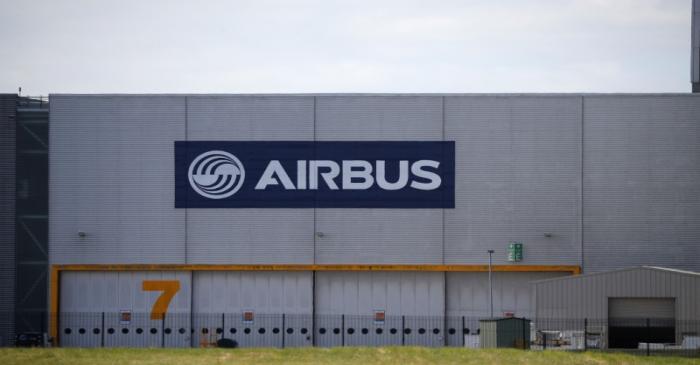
(353, 46)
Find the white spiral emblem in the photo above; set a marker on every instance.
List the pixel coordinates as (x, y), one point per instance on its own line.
(216, 174)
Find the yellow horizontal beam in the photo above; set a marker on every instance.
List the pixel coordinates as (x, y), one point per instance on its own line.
(320, 267)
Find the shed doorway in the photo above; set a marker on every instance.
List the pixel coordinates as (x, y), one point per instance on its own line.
(635, 320)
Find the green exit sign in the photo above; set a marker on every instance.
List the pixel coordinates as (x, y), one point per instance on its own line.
(515, 251)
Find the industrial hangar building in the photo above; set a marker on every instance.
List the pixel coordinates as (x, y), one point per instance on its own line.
(586, 183)
(193, 215)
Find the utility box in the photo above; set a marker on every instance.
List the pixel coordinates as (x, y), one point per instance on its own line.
(505, 333)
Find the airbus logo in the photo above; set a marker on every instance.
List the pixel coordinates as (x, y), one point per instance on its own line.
(216, 174)
(314, 174)
(219, 174)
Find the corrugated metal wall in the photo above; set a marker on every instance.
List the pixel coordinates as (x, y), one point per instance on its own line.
(695, 58)
(518, 171)
(641, 180)
(602, 181)
(635, 308)
(468, 293)
(249, 235)
(379, 235)
(8, 105)
(263, 292)
(85, 295)
(419, 296)
(227, 295)
(95, 291)
(397, 293)
(111, 176)
(206, 305)
(527, 167)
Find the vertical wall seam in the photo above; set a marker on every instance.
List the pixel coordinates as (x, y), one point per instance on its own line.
(581, 197)
(444, 276)
(443, 209)
(186, 209)
(192, 343)
(314, 230)
(313, 273)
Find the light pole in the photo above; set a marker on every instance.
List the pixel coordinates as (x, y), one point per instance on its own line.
(490, 282)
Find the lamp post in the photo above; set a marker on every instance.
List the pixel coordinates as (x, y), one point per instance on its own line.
(490, 282)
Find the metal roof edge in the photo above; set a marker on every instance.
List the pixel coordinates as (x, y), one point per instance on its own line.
(524, 94)
(632, 268)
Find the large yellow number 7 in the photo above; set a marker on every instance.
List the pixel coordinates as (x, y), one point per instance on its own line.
(169, 289)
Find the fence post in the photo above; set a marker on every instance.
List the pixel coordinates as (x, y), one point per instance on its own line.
(102, 331)
(403, 330)
(284, 330)
(464, 339)
(544, 340)
(191, 327)
(223, 325)
(525, 329)
(585, 334)
(445, 324)
(162, 331)
(648, 336)
(313, 329)
(342, 328)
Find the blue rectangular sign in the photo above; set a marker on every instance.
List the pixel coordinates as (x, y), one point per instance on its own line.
(296, 174)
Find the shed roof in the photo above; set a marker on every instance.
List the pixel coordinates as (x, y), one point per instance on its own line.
(635, 268)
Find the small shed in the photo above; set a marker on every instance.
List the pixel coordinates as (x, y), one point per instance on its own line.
(623, 307)
(505, 332)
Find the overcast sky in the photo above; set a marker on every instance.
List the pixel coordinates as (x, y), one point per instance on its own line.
(167, 46)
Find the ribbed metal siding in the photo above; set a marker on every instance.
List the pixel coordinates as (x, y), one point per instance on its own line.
(262, 292)
(357, 295)
(226, 295)
(587, 296)
(468, 293)
(518, 177)
(111, 176)
(86, 295)
(641, 308)
(641, 182)
(379, 235)
(518, 166)
(8, 105)
(695, 59)
(97, 291)
(397, 293)
(250, 235)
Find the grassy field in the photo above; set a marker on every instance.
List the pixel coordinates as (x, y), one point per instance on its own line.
(341, 355)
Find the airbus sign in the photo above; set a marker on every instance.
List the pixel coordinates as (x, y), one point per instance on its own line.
(295, 174)
(216, 174)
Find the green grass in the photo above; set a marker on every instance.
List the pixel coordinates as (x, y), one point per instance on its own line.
(339, 355)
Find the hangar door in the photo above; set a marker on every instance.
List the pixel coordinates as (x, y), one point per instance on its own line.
(374, 308)
(116, 309)
(635, 320)
(255, 309)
